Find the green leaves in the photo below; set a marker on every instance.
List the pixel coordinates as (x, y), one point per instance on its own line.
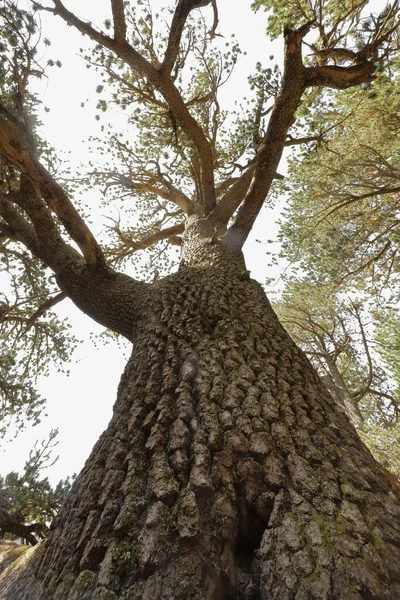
(341, 219)
(29, 498)
(33, 340)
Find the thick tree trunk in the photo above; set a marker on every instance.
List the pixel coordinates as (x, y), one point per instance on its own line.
(227, 470)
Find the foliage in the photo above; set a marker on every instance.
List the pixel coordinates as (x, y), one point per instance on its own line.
(29, 498)
(340, 335)
(354, 348)
(341, 221)
(339, 231)
(32, 338)
(384, 444)
(151, 181)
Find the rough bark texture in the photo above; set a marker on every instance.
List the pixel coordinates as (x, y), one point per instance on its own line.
(227, 470)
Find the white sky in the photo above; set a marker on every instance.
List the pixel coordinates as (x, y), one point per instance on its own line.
(80, 405)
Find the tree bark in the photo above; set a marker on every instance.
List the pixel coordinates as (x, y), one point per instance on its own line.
(337, 387)
(227, 470)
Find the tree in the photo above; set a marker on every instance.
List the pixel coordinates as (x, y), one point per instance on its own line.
(353, 347)
(28, 503)
(339, 233)
(341, 220)
(227, 469)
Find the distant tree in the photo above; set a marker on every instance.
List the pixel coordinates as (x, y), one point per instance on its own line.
(341, 222)
(227, 470)
(28, 503)
(349, 345)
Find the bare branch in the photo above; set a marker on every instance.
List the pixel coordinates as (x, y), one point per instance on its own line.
(361, 393)
(158, 236)
(216, 19)
(168, 192)
(43, 308)
(305, 140)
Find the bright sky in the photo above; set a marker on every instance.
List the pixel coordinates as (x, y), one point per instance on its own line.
(80, 405)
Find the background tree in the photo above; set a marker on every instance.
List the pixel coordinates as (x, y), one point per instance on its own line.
(31, 337)
(227, 470)
(28, 502)
(350, 345)
(341, 220)
(339, 232)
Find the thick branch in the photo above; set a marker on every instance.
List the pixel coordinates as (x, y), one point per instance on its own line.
(270, 151)
(22, 229)
(232, 199)
(17, 151)
(114, 300)
(118, 12)
(340, 78)
(8, 524)
(163, 83)
(182, 11)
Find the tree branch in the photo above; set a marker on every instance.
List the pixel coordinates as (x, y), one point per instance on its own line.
(340, 78)
(118, 12)
(270, 151)
(171, 193)
(16, 150)
(305, 140)
(164, 84)
(233, 197)
(43, 308)
(158, 236)
(361, 393)
(182, 11)
(22, 229)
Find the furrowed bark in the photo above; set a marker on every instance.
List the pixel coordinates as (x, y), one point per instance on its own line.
(227, 470)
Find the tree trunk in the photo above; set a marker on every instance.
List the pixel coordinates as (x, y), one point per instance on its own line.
(227, 470)
(338, 389)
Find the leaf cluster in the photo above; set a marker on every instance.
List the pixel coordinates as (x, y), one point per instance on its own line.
(29, 499)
